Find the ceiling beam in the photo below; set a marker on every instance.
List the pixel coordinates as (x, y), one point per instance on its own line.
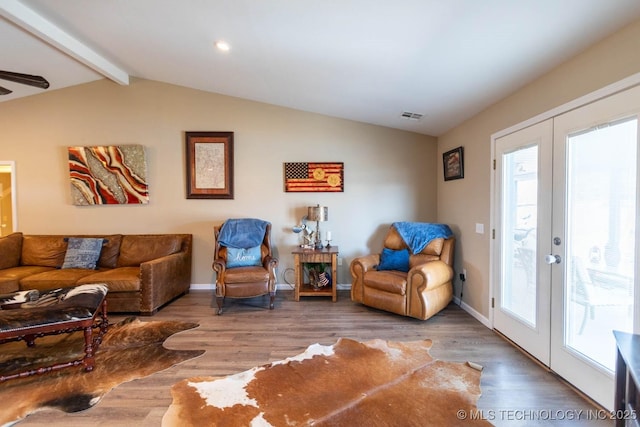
(45, 30)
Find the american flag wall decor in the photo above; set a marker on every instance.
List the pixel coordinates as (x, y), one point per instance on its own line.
(314, 177)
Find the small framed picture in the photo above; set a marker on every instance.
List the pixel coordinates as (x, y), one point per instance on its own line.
(453, 165)
(209, 165)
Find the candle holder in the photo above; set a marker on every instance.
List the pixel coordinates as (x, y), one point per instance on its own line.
(328, 243)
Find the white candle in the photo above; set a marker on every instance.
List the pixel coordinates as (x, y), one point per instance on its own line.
(328, 235)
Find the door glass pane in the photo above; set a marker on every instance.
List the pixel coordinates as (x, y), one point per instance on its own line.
(601, 217)
(519, 216)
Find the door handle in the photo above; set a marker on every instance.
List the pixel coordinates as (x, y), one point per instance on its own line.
(553, 259)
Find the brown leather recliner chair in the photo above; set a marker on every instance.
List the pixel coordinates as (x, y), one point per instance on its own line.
(421, 292)
(246, 281)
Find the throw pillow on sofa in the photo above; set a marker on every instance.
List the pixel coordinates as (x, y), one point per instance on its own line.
(394, 260)
(82, 252)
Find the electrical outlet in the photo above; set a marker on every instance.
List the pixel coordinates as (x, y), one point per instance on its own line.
(339, 261)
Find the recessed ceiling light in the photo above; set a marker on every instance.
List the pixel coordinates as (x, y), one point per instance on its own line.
(223, 46)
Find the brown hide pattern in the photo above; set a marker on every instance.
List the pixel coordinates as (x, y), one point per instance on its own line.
(351, 383)
(131, 349)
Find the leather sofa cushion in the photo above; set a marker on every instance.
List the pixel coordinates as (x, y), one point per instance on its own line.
(49, 250)
(123, 279)
(44, 251)
(136, 249)
(246, 274)
(10, 277)
(394, 241)
(53, 279)
(391, 281)
(10, 250)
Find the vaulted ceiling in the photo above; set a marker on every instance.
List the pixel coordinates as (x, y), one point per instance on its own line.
(364, 60)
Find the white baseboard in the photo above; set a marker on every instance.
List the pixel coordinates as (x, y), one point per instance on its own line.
(279, 286)
(345, 287)
(202, 287)
(466, 307)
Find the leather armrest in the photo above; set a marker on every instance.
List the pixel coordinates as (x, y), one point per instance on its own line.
(361, 265)
(358, 267)
(163, 279)
(430, 275)
(219, 265)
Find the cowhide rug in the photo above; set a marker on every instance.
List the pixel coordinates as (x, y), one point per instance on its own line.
(131, 349)
(351, 383)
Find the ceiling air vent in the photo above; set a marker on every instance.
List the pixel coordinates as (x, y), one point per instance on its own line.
(411, 116)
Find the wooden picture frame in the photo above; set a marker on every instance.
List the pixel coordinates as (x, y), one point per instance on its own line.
(209, 165)
(453, 164)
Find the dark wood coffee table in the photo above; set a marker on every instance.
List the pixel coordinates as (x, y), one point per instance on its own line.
(58, 311)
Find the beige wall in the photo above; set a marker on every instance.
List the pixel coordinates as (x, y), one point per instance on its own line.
(463, 203)
(389, 174)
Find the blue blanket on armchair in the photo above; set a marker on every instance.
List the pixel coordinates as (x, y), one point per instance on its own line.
(242, 233)
(417, 235)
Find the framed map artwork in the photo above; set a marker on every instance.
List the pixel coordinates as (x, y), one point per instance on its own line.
(209, 165)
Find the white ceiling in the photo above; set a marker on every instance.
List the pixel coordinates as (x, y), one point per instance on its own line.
(364, 60)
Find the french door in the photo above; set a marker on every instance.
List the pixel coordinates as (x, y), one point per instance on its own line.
(523, 165)
(567, 199)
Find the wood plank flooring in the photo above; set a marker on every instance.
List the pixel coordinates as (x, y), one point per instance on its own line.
(515, 390)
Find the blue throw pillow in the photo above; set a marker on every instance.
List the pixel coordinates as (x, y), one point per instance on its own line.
(243, 257)
(394, 260)
(82, 252)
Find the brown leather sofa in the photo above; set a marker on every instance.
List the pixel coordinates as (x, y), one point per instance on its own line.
(421, 292)
(142, 271)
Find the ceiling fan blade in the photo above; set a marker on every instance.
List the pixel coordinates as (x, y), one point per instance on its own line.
(25, 79)
(4, 91)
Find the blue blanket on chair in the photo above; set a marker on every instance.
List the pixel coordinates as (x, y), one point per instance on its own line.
(417, 235)
(242, 233)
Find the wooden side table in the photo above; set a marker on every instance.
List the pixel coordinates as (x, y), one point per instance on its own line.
(325, 255)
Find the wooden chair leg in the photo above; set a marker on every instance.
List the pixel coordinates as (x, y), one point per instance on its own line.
(220, 301)
(272, 297)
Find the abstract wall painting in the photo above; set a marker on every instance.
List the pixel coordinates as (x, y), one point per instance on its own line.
(314, 177)
(106, 175)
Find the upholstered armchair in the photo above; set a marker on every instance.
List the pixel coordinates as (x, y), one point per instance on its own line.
(403, 282)
(243, 261)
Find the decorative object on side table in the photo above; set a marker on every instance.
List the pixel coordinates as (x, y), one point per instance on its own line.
(312, 239)
(318, 213)
(319, 277)
(453, 165)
